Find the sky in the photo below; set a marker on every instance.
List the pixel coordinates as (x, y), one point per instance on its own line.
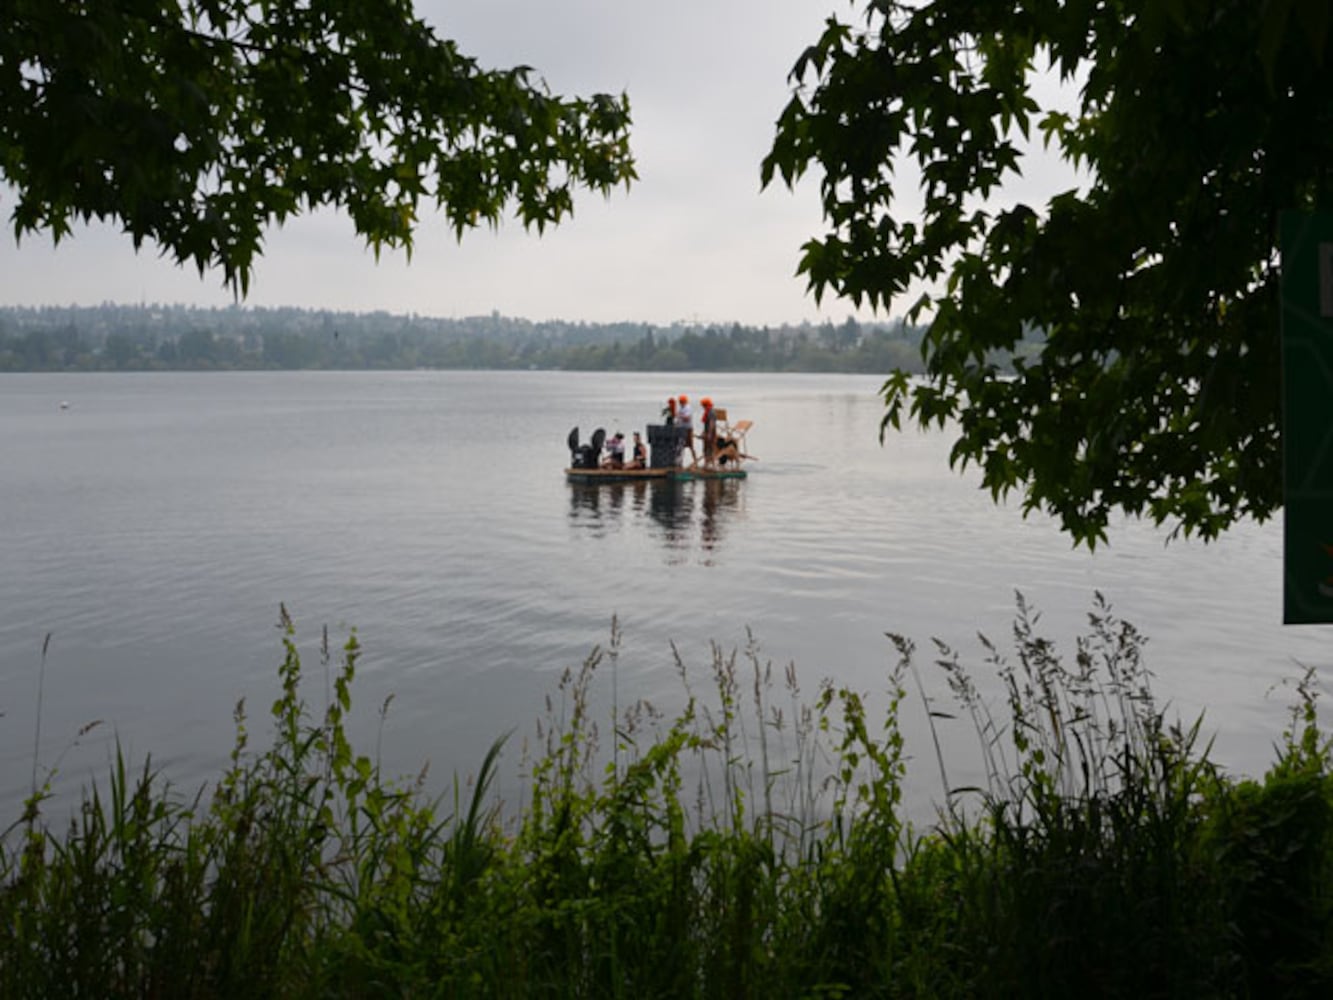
(694, 240)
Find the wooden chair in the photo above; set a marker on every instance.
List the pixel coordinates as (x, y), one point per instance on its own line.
(730, 438)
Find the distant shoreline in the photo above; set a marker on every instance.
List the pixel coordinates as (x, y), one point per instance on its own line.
(179, 338)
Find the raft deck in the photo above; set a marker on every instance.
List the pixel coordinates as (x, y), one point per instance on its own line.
(680, 474)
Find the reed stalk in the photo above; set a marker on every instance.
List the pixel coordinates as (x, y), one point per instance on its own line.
(734, 849)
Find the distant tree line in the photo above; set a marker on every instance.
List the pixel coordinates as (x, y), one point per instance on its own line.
(166, 337)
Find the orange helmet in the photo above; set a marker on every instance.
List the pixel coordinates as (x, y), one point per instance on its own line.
(706, 403)
(684, 398)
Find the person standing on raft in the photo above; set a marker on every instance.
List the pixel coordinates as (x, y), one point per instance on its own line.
(685, 418)
(709, 433)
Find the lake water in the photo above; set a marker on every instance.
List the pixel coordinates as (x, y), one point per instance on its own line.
(153, 526)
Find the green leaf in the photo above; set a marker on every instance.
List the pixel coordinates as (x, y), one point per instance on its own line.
(1145, 365)
(197, 125)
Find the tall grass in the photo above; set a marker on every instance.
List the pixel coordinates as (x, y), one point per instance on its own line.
(752, 844)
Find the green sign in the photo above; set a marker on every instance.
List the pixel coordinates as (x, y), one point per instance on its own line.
(1307, 417)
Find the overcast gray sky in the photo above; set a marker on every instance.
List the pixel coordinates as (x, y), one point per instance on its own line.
(695, 239)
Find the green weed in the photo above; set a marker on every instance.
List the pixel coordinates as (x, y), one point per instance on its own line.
(753, 844)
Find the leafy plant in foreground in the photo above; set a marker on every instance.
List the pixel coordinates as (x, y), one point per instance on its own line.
(737, 848)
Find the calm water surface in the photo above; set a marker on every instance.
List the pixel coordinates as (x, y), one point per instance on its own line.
(154, 525)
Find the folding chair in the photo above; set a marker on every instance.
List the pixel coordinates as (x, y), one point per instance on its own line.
(731, 438)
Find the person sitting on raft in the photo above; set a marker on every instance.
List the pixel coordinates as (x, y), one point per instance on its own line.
(615, 449)
(639, 459)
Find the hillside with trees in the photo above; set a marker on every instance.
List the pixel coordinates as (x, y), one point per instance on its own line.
(165, 337)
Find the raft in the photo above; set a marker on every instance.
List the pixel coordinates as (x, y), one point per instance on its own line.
(614, 475)
(683, 474)
(666, 444)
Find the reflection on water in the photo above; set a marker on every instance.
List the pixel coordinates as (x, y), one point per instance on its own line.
(679, 515)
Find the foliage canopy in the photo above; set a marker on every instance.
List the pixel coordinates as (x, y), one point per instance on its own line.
(197, 123)
(1154, 282)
